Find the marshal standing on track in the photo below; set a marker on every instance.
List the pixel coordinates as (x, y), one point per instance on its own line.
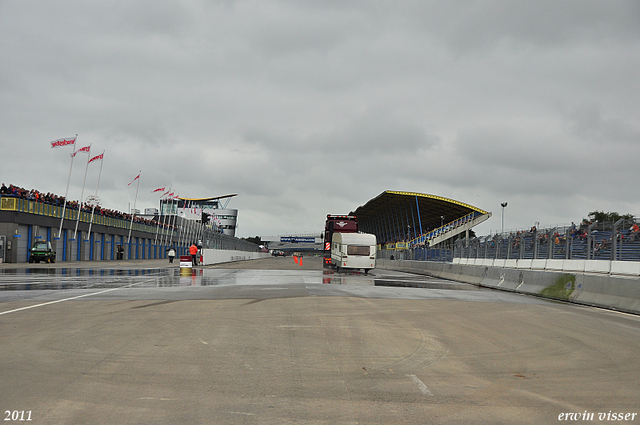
(193, 250)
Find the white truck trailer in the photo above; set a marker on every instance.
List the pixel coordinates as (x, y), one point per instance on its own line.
(353, 251)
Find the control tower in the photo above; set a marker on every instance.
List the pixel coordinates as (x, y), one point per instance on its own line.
(211, 211)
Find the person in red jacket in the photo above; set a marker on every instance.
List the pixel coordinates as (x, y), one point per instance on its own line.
(193, 250)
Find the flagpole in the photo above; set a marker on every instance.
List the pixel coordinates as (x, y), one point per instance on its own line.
(164, 216)
(133, 213)
(158, 222)
(82, 193)
(94, 202)
(201, 232)
(170, 234)
(172, 220)
(164, 221)
(157, 230)
(189, 225)
(66, 192)
(182, 230)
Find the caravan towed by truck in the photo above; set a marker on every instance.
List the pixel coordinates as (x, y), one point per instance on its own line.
(337, 223)
(353, 251)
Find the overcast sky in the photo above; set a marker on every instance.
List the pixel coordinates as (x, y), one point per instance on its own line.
(305, 108)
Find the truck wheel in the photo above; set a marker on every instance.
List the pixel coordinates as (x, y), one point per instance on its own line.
(53, 260)
(31, 259)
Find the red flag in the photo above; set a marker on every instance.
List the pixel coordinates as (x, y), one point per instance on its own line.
(160, 189)
(97, 157)
(86, 149)
(136, 178)
(63, 142)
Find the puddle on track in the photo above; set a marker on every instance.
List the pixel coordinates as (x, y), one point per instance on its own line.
(82, 278)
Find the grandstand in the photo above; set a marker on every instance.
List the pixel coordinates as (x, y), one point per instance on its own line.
(403, 220)
(88, 234)
(595, 241)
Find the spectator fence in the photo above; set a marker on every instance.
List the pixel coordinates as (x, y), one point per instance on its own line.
(619, 241)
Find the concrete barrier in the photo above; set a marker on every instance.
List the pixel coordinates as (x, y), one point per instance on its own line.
(216, 256)
(525, 264)
(630, 268)
(625, 268)
(614, 292)
(617, 292)
(573, 266)
(596, 266)
(538, 264)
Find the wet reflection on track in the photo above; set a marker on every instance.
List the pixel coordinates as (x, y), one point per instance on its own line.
(77, 278)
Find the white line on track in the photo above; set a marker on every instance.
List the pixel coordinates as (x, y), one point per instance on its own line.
(75, 298)
(425, 390)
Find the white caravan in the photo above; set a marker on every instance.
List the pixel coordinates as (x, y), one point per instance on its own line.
(353, 251)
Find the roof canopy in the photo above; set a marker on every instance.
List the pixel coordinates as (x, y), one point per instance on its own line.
(207, 199)
(410, 209)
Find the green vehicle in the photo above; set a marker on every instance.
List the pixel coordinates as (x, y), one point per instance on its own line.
(42, 251)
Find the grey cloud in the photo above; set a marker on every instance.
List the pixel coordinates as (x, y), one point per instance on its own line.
(476, 101)
(481, 25)
(587, 123)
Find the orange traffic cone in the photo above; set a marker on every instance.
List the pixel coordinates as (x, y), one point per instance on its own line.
(300, 261)
(295, 259)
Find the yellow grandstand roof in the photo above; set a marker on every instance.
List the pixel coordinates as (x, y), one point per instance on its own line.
(431, 208)
(207, 199)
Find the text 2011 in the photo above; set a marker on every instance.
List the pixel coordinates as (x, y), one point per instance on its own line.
(17, 415)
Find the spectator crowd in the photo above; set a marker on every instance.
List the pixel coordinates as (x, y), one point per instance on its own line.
(59, 201)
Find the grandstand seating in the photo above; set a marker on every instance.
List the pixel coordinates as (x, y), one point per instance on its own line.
(449, 230)
(558, 244)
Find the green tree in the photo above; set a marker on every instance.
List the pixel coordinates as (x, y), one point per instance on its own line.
(256, 240)
(606, 217)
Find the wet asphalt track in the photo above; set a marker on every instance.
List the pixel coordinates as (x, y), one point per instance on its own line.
(271, 341)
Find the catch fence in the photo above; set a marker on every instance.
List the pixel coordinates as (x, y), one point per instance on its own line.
(619, 241)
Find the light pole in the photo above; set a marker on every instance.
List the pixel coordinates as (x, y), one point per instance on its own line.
(503, 205)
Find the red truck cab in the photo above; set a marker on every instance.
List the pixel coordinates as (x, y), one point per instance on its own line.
(337, 223)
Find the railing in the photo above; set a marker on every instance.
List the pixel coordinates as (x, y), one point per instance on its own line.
(186, 231)
(10, 203)
(589, 242)
(416, 254)
(422, 239)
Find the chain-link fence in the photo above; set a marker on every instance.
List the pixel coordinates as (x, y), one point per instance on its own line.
(619, 241)
(417, 254)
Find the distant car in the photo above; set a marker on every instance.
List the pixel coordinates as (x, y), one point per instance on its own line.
(277, 253)
(42, 251)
